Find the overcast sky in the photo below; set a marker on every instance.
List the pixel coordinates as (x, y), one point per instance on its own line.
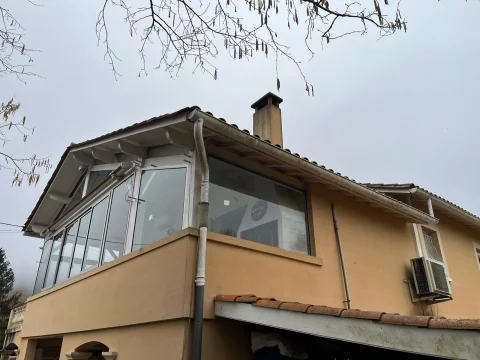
(402, 109)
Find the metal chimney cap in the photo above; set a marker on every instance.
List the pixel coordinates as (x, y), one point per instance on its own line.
(264, 100)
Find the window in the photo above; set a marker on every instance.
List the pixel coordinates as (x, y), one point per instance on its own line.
(80, 241)
(114, 218)
(432, 245)
(67, 252)
(42, 268)
(476, 247)
(95, 235)
(160, 205)
(53, 261)
(118, 221)
(255, 208)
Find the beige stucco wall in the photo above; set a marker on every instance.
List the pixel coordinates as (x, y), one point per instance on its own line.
(463, 268)
(162, 340)
(154, 285)
(377, 249)
(236, 266)
(145, 286)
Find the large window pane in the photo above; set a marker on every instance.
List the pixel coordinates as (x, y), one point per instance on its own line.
(67, 252)
(118, 221)
(95, 235)
(80, 244)
(53, 261)
(253, 207)
(160, 205)
(42, 267)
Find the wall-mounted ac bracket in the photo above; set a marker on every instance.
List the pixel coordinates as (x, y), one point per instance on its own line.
(432, 299)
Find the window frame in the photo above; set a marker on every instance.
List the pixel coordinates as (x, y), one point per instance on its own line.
(104, 190)
(40, 262)
(303, 191)
(49, 256)
(476, 250)
(187, 206)
(107, 213)
(76, 216)
(436, 230)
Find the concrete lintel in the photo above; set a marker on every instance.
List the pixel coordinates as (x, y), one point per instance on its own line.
(457, 344)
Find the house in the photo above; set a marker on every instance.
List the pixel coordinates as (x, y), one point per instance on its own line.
(183, 235)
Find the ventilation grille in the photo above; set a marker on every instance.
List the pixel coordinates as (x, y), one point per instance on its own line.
(440, 277)
(421, 279)
(432, 247)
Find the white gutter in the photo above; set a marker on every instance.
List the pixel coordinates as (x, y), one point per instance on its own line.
(236, 135)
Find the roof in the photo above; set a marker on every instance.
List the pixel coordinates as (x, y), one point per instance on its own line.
(426, 193)
(86, 142)
(428, 322)
(297, 161)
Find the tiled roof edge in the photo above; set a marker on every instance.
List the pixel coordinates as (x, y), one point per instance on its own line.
(429, 322)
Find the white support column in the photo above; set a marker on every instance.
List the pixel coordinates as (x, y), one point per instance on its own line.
(430, 208)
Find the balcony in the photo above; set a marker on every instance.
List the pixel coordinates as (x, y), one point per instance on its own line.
(155, 283)
(15, 321)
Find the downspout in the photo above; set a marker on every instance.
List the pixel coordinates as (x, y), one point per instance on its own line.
(202, 240)
(340, 252)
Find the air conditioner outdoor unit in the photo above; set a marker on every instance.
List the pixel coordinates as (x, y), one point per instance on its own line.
(430, 277)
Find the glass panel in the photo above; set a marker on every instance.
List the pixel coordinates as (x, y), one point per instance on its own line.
(252, 207)
(96, 178)
(95, 235)
(53, 261)
(118, 221)
(80, 244)
(42, 267)
(432, 245)
(67, 252)
(160, 205)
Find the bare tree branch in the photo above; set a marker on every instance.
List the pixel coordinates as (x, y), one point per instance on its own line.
(24, 168)
(15, 56)
(192, 31)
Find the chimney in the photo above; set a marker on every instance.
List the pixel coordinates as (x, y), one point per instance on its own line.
(267, 119)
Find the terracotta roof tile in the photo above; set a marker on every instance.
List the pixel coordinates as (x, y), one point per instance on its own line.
(246, 299)
(230, 298)
(274, 304)
(463, 324)
(292, 306)
(398, 319)
(359, 314)
(382, 317)
(324, 310)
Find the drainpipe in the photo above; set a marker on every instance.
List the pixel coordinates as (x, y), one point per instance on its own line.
(340, 252)
(202, 240)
